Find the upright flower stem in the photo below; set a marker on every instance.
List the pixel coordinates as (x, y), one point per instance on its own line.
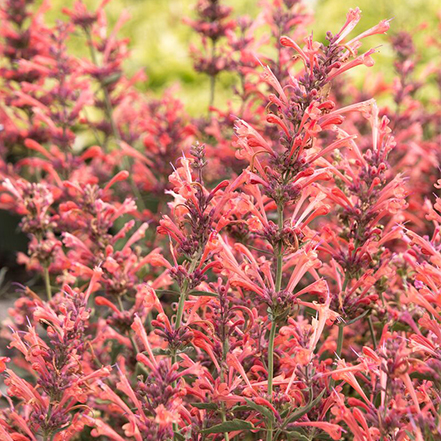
(183, 295)
(46, 276)
(109, 114)
(107, 102)
(269, 434)
(129, 332)
(212, 89)
(47, 282)
(278, 286)
(341, 328)
(212, 77)
(224, 420)
(271, 358)
(179, 314)
(371, 328)
(225, 349)
(340, 336)
(279, 251)
(181, 303)
(279, 269)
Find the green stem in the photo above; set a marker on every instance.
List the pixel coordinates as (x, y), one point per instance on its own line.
(225, 348)
(340, 336)
(107, 102)
(181, 303)
(129, 332)
(272, 336)
(345, 283)
(179, 315)
(212, 77)
(134, 344)
(184, 293)
(341, 325)
(47, 282)
(371, 328)
(224, 420)
(278, 284)
(212, 89)
(269, 434)
(279, 269)
(271, 358)
(120, 303)
(341, 328)
(109, 115)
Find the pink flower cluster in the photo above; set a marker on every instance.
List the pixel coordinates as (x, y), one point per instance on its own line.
(269, 271)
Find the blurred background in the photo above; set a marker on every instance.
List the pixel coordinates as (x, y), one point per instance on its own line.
(160, 40)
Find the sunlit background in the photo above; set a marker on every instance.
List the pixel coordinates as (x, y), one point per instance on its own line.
(160, 39)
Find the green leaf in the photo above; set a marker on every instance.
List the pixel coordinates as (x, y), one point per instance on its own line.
(303, 410)
(113, 78)
(246, 408)
(167, 291)
(116, 349)
(203, 294)
(160, 351)
(358, 318)
(61, 429)
(410, 435)
(265, 411)
(229, 426)
(297, 436)
(399, 326)
(207, 406)
(178, 437)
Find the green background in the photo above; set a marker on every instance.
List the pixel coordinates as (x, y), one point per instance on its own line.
(160, 39)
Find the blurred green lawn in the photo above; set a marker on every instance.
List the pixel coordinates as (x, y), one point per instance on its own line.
(159, 39)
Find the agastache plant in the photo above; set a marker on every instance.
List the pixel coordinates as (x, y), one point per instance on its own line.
(291, 170)
(269, 270)
(213, 24)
